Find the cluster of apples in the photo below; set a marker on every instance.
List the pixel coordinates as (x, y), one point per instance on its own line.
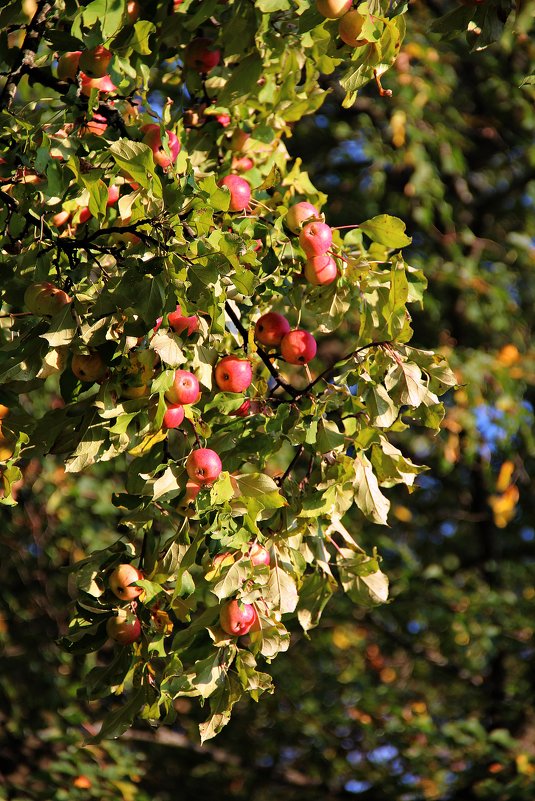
(315, 238)
(273, 331)
(351, 22)
(235, 617)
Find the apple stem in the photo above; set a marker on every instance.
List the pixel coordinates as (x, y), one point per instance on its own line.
(382, 92)
(341, 227)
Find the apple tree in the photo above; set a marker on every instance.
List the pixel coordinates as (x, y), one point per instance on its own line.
(175, 301)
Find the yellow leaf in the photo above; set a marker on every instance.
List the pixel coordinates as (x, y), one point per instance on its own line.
(504, 477)
(148, 442)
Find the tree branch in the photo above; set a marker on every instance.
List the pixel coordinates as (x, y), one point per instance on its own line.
(34, 32)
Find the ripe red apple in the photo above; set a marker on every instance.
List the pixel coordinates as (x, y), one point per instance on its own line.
(121, 582)
(104, 84)
(44, 298)
(132, 11)
(181, 324)
(201, 55)
(61, 218)
(244, 409)
(203, 466)
(315, 238)
(113, 194)
(270, 329)
(223, 120)
(240, 191)
(333, 9)
(95, 62)
(96, 125)
(242, 164)
(237, 618)
(298, 347)
(153, 139)
(68, 65)
(298, 214)
(321, 270)
(350, 27)
(184, 389)
(84, 215)
(259, 555)
(233, 374)
(124, 627)
(88, 367)
(173, 416)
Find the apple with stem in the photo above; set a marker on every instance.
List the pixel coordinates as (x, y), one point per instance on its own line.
(153, 138)
(259, 555)
(203, 466)
(182, 324)
(68, 65)
(270, 328)
(316, 238)
(88, 367)
(298, 214)
(242, 163)
(298, 347)
(236, 618)
(174, 415)
(124, 627)
(201, 55)
(321, 270)
(184, 389)
(233, 374)
(121, 582)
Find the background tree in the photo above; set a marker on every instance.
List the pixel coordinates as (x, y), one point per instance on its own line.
(386, 732)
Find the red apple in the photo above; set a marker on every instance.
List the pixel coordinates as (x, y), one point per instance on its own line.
(223, 120)
(270, 329)
(153, 139)
(184, 389)
(259, 555)
(321, 270)
(124, 627)
(298, 214)
(88, 367)
(95, 62)
(68, 65)
(113, 195)
(132, 11)
(244, 409)
(104, 84)
(84, 215)
(237, 618)
(181, 324)
(349, 29)
(173, 416)
(96, 125)
(233, 374)
(298, 347)
(316, 238)
(61, 218)
(45, 299)
(121, 582)
(333, 9)
(201, 55)
(242, 164)
(240, 191)
(203, 466)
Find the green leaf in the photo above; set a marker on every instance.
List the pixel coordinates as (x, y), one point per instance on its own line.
(136, 161)
(119, 720)
(386, 230)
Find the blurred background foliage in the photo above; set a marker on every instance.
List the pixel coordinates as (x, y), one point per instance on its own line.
(433, 695)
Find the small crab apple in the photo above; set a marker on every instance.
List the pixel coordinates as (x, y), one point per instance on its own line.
(153, 138)
(44, 298)
(124, 627)
(95, 62)
(173, 416)
(88, 367)
(223, 120)
(184, 389)
(259, 555)
(240, 191)
(350, 27)
(298, 214)
(203, 466)
(201, 55)
(242, 164)
(233, 374)
(121, 582)
(68, 65)
(333, 9)
(104, 84)
(113, 195)
(298, 347)
(321, 270)
(237, 618)
(270, 329)
(84, 215)
(316, 238)
(61, 218)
